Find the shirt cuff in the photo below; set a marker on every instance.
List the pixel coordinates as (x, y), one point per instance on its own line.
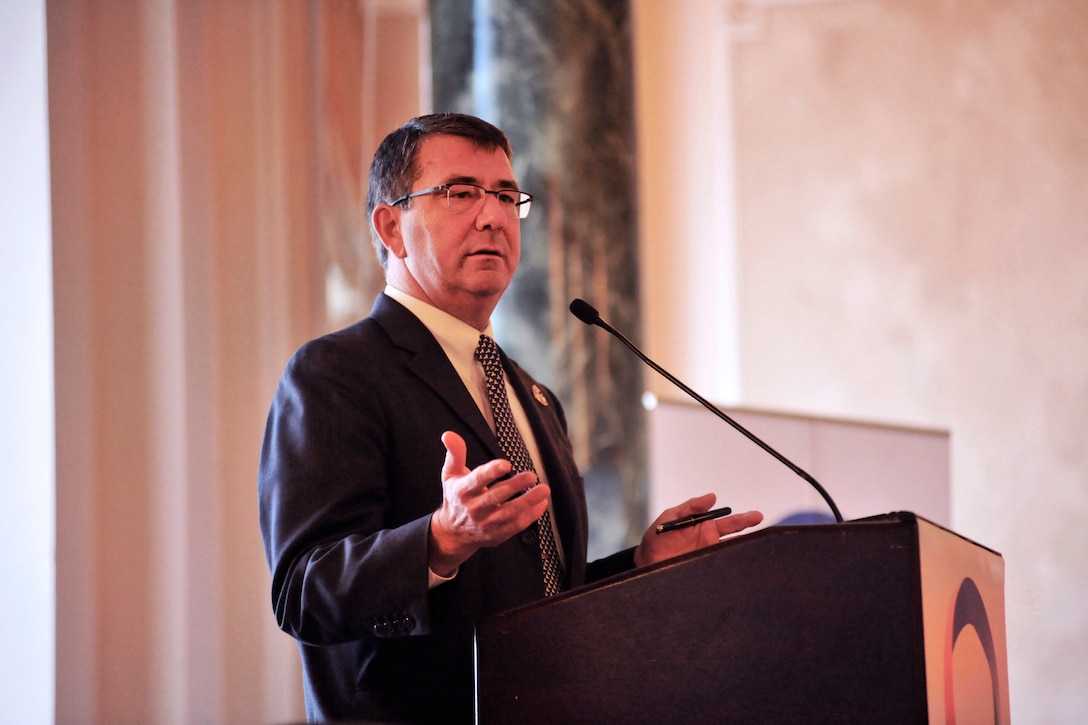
(434, 580)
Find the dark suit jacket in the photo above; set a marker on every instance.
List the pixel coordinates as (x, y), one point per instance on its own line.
(349, 477)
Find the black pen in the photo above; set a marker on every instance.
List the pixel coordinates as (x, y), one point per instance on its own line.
(693, 520)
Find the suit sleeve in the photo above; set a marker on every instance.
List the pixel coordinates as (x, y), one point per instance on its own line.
(617, 563)
(341, 570)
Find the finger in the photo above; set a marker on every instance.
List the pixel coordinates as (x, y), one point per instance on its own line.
(738, 522)
(455, 464)
(502, 519)
(513, 485)
(522, 511)
(697, 505)
(520, 505)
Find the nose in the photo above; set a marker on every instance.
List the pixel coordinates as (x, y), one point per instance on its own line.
(490, 215)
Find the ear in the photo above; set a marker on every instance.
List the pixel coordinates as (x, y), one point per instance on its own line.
(387, 223)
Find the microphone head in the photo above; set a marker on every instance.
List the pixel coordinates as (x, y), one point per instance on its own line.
(584, 311)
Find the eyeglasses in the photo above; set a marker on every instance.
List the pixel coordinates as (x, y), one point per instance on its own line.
(468, 197)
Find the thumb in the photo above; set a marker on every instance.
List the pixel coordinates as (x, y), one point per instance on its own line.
(456, 450)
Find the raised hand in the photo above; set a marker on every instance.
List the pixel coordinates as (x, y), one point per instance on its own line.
(481, 507)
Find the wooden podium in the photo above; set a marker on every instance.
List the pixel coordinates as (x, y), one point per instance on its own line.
(891, 619)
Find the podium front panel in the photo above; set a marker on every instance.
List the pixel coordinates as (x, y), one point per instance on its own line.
(963, 603)
(788, 624)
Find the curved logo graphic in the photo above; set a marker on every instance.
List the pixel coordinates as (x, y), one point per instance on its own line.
(968, 610)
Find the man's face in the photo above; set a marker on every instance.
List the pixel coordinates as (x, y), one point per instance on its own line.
(462, 261)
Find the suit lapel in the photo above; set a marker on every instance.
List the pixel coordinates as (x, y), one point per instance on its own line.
(426, 359)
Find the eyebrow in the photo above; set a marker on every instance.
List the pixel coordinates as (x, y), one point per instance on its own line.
(504, 184)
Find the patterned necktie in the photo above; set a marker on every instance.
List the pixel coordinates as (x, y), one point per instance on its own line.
(513, 445)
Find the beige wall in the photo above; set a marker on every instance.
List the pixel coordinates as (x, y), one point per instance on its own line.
(912, 247)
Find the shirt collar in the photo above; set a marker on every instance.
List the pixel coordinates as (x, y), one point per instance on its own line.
(458, 338)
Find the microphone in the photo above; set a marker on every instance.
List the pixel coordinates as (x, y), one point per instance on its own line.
(589, 315)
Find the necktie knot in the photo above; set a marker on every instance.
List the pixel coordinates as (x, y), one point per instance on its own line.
(487, 353)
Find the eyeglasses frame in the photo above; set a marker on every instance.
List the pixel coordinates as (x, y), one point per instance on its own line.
(527, 197)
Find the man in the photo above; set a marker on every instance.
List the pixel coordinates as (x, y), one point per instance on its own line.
(391, 520)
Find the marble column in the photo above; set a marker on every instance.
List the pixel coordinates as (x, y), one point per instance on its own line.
(557, 76)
